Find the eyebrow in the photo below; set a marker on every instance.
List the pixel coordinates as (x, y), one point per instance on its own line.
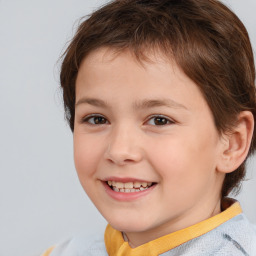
(147, 103)
(151, 103)
(93, 102)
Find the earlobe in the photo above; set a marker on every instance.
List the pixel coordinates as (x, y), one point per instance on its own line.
(237, 143)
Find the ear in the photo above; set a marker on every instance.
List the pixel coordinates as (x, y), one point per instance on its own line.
(236, 144)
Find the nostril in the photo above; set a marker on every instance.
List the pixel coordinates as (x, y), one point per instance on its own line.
(123, 158)
(119, 160)
(122, 150)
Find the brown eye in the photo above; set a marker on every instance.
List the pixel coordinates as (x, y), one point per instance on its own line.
(99, 120)
(95, 120)
(159, 120)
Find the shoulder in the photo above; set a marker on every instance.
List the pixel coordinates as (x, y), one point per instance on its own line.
(240, 233)
(79, 245)
(237, 237)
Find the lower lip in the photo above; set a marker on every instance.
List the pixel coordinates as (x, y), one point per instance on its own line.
(121, 196)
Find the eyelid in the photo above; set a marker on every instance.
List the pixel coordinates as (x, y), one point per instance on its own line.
(87, 117)
(170, 120)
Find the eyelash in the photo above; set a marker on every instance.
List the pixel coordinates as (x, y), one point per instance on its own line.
(94, 116)
(166, 120)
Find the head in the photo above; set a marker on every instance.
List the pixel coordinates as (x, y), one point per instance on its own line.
(202, 42)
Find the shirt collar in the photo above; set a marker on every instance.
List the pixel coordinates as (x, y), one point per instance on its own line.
(116, 246)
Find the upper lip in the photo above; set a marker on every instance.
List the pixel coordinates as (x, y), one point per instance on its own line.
(125, 179)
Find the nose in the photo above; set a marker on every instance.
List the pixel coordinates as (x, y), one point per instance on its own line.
(124, 146)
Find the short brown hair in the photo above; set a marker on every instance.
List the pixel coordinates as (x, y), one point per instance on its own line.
(205, 38)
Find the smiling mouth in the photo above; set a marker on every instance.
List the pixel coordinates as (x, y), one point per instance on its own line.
(129, 187)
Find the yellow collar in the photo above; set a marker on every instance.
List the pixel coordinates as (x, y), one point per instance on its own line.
(116, 246)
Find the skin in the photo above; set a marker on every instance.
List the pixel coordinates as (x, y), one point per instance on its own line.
(182, 155)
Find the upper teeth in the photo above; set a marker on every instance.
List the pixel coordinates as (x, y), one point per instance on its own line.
(130, 185)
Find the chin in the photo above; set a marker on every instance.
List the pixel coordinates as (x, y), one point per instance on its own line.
(128, 225)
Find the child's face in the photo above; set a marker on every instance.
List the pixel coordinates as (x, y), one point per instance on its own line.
(149, 124)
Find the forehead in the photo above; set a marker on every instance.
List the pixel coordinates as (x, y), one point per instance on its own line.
(101, 60)
(112, 74)
(140, 56)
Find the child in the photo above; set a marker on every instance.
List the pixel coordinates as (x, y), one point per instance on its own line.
(160, 97)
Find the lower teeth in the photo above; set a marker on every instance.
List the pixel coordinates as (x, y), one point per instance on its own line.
(129, 190)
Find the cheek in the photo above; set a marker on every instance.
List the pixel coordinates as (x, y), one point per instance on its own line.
(182, 160)
(169, 162)
(86, 156)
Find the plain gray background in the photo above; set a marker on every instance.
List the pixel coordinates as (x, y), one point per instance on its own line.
(41, 199)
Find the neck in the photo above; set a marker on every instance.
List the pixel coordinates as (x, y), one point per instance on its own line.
(180, 222)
